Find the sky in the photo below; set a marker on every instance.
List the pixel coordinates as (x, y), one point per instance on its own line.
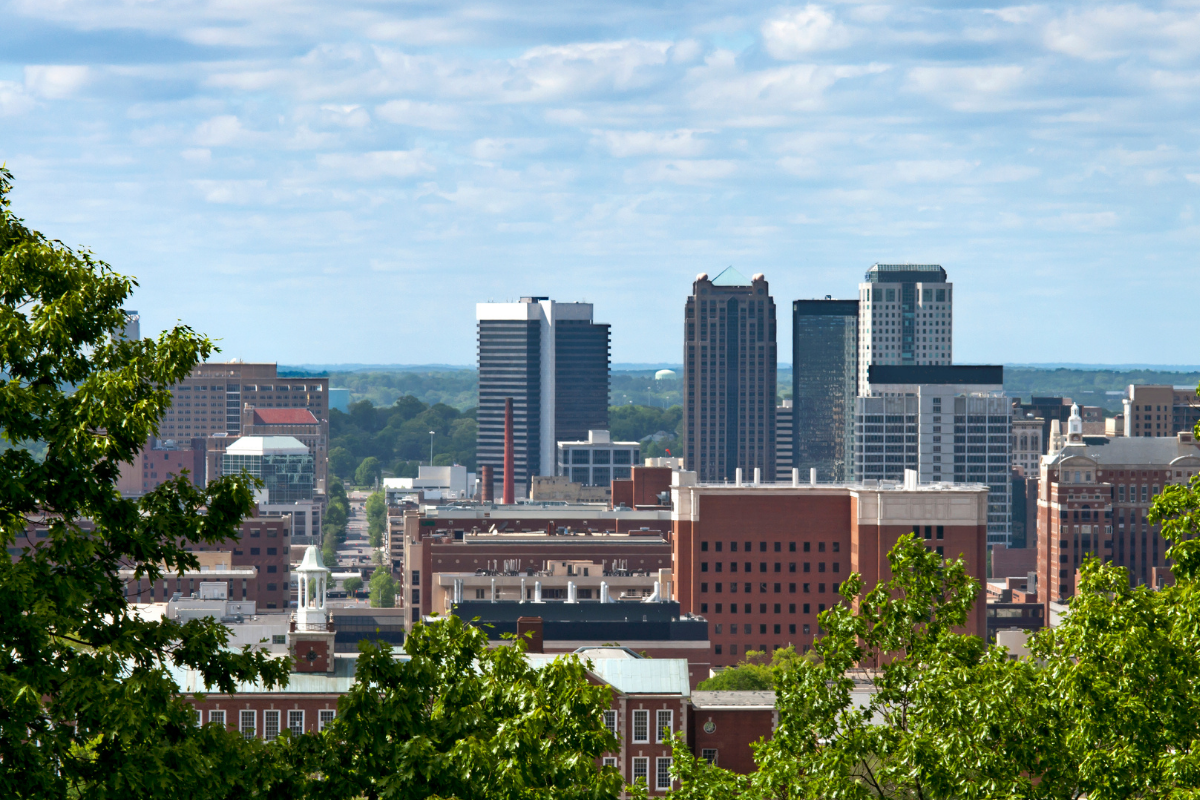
(332, 182)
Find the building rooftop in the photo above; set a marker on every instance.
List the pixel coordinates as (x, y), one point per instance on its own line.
(634, 675)
(1137, 450)
(284, 416)
(906, 273)
(730, 277)
(267, 445)
(713, 701)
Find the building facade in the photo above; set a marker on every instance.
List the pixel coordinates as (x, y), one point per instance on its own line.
(1160, 410)
(597, 460)
(785, 432)
(211, 399)
(729, 377)
(759, 563)
(1094, 498)
(824, 386)
(1027, 442)
(553, 361)
(906, 316)
(283, 463)
(949, 423)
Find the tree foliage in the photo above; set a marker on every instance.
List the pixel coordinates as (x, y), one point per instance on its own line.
(376, 518)
(352, 585)
(87, 706)
(397, 436)
(755, 672)
(383, 588)
(333, 525)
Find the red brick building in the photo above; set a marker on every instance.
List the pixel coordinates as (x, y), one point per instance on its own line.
(723, 725)
(1094, 499)
(760, 562)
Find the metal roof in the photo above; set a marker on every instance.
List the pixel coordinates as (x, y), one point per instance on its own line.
(733, 699)
(730, 277)
(339, 682)
(634, 675)
(267, 445)
(1137, 450)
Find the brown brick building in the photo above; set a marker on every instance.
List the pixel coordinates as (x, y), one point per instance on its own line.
(760, 562)
(1093, 499)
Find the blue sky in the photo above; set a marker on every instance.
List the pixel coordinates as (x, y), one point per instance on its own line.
(322, 182)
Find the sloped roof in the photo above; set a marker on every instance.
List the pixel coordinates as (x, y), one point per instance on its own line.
(284, 416)
(266, 445)
(730, 277)
(633, 675)
(1139, 450)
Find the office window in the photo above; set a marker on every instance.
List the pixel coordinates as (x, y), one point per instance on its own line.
(663, 727)
(641, 769)
(762, 547)
(704, 547)
(792, 628)
(610, 722)
(663, 774)
(270, 725)
(217, 717)
(709, 754)
(807, 546)
(324, 717)
(778, 546)
(641, 725)
(296, 721)
(808, 566)
(246, 723)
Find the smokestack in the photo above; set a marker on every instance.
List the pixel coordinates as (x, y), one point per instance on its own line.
(487, 488)
(509, 482)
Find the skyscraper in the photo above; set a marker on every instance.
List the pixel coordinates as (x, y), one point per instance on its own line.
(553, 361)
(905, 317)
(824, 385)
(729, 374)
(949, 423)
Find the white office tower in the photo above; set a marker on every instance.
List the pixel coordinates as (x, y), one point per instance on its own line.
(950, 424)
(906, 316)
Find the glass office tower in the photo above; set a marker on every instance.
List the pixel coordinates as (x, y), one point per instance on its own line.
(824, 386)
(282, 462)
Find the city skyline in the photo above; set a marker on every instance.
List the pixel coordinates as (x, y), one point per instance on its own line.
(339, 154)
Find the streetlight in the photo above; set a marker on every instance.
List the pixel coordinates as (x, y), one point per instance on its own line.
(431, 448)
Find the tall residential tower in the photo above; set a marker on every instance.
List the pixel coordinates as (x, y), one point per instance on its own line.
(552, 360)
(729, 374)
(906, 317)
(824, 386)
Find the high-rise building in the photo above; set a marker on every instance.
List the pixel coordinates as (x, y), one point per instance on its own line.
(906, 317)
(951, 424)
(1158, 410)
(553, 361)
(824, 386)
(211, 399)
(785, 440)
(133, 325)
(729, 375)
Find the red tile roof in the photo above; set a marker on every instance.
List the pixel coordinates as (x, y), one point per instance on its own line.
(284, 416)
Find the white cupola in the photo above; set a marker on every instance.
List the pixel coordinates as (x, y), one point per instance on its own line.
(313, 578)
(1074, 425)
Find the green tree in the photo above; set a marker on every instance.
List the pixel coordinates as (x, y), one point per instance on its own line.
(383, 589)
(368, 471)
(341, 462)
(756, 672)
(376, 518)
(333, 526)
(352, 585)
(87, 705)
(460, 719)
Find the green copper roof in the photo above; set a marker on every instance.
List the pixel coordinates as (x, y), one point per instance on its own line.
(730, 277)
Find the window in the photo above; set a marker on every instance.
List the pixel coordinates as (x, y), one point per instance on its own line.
(641, 769)
(704, 566)
(778, 546)
(610, 722)
(704, 607)
(762, 547)
(254, 551)
(807, 546)
(792, 567)
(808, 566)
(641, 725)
(663, 727)
(217, 717)
(704, 547)
(610, 761)
(296, 721)
(246, 723)
(709, 754)
(270, 725)
(663, 774)
(324, 717)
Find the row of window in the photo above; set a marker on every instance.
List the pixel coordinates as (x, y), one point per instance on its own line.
(718, 566)
(247, 720)
(748, 547)
(762, 628)
(664, 725)
(762, 607)
(762, 587)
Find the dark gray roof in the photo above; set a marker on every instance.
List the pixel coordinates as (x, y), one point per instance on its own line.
(1142, 450)
(825, 308)
(906, 273)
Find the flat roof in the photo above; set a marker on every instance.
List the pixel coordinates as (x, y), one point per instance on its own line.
(712, 701)
(934, 374)
(267, 445)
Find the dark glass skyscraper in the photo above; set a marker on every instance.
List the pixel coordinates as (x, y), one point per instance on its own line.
(729, 374)
(824, 386)
(554, 362)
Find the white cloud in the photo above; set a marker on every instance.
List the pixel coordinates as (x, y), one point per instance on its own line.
(933, 170)
(678, 144)
(1112, 31)
(800, 166)
(379, 164)
(420, 115)
(347, 116)
(14, 100)
(988, 88)
(690, 172)
(225, 130)
(197, 154)
(232, 192)
(798, 32)
(56, 81)
(490, 149)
